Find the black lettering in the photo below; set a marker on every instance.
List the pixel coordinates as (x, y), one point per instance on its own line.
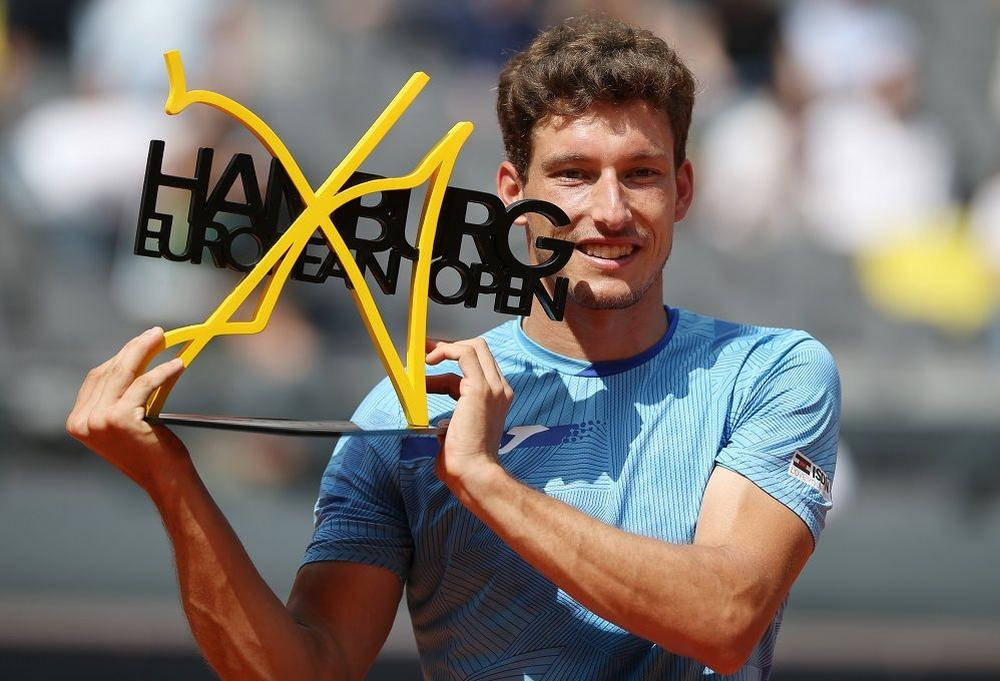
(248, 264)
(389, 213)
(331, 268)
(152, 181)
(453, 226)
(476, 285)
(240, 168)
(514, 284)
(562, 251)
(279, 186)
(508, 290)
(306, 258)
(216, 246)
(387, 277)
(556, 305)
(465, 277)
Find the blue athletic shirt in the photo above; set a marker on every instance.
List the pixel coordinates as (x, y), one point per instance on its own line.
(631, 442)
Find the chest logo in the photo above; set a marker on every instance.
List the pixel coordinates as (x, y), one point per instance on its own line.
(538, 436)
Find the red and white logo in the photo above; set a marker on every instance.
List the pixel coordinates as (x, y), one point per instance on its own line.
(801, 468)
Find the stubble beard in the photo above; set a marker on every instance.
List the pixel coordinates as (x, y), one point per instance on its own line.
(580, 292)
(583, 295)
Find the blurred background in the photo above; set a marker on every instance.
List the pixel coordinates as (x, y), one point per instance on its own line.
(847, 156)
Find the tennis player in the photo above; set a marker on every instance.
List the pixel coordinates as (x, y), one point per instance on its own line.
(627, 494)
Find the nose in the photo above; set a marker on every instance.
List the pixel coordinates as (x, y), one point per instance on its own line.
(609, 205)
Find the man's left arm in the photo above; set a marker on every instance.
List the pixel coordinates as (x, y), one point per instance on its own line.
(711, 600)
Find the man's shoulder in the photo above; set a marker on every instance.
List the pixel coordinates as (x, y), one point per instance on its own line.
(750, 348)
(502, 339)
(723, 331)
(380, 408)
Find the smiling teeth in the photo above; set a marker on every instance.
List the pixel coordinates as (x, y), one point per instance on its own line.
(606, 252)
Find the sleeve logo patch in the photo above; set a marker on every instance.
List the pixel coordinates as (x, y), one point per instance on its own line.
(801, 468)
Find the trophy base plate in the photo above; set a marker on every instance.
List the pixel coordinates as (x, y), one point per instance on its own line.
(288, 426)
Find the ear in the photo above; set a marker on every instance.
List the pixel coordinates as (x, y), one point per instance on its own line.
(510, 188)
(684, 179)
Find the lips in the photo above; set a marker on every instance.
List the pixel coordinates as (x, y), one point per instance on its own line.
(606, 251)
(607, 257)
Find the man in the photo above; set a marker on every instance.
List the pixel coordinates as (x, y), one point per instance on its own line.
(628, 494)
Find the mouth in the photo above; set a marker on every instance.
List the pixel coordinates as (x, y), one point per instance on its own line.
(607, 256)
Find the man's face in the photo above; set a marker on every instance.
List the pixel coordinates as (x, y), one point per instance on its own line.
(611, 170)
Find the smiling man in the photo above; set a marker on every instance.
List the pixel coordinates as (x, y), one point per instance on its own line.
(627, 494)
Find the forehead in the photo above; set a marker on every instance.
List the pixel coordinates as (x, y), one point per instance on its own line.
(604, 129)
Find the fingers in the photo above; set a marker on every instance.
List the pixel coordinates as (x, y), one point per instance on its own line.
(135, 395)
(90, 383)
(445, 384)
(431, 343)
(76, 422)
(467, 358)
(105, 383)
(490, 369)
(129, 362)
(476, 362)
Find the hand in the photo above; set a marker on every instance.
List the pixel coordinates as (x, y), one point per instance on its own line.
(483, 396)
(110, 408)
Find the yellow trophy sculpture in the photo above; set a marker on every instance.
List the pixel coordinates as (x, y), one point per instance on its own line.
(435, 168)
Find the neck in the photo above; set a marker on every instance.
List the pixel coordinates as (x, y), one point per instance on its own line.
(600, 335)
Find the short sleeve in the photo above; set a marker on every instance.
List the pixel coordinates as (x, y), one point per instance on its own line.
(360, 516)
(784, 425)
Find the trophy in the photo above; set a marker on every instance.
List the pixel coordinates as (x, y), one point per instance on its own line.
(334, 209)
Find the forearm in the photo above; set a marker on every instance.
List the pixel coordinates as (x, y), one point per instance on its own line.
(242, 628)
(675, 595)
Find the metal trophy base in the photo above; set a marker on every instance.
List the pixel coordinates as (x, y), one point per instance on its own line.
(287, 426)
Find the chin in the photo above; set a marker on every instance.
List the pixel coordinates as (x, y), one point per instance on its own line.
(584, 294)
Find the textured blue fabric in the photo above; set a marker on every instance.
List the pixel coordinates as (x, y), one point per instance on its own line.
(632, 443)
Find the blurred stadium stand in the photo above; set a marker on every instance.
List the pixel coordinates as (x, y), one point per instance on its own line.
(847, 156)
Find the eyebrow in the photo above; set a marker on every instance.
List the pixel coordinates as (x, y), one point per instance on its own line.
(564, 158)
(569, 157)
(648, 156)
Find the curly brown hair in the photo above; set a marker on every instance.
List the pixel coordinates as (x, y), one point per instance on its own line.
(586, 59)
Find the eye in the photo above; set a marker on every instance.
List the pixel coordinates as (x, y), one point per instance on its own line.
(571, 174)
(644, 173)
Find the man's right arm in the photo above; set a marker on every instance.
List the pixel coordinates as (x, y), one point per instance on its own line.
(338, 614)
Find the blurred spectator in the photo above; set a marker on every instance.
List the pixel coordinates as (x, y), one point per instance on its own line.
(870, 170)
(486, 31)
(935, 275)
(845, 47)
(984, 218)
(747, 177)
(869, 177)
(750, 30)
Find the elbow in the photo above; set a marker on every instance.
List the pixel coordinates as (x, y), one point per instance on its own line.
(723, 644)
(731, 645)
(723, 654)
(729, 660)
(741, 616)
